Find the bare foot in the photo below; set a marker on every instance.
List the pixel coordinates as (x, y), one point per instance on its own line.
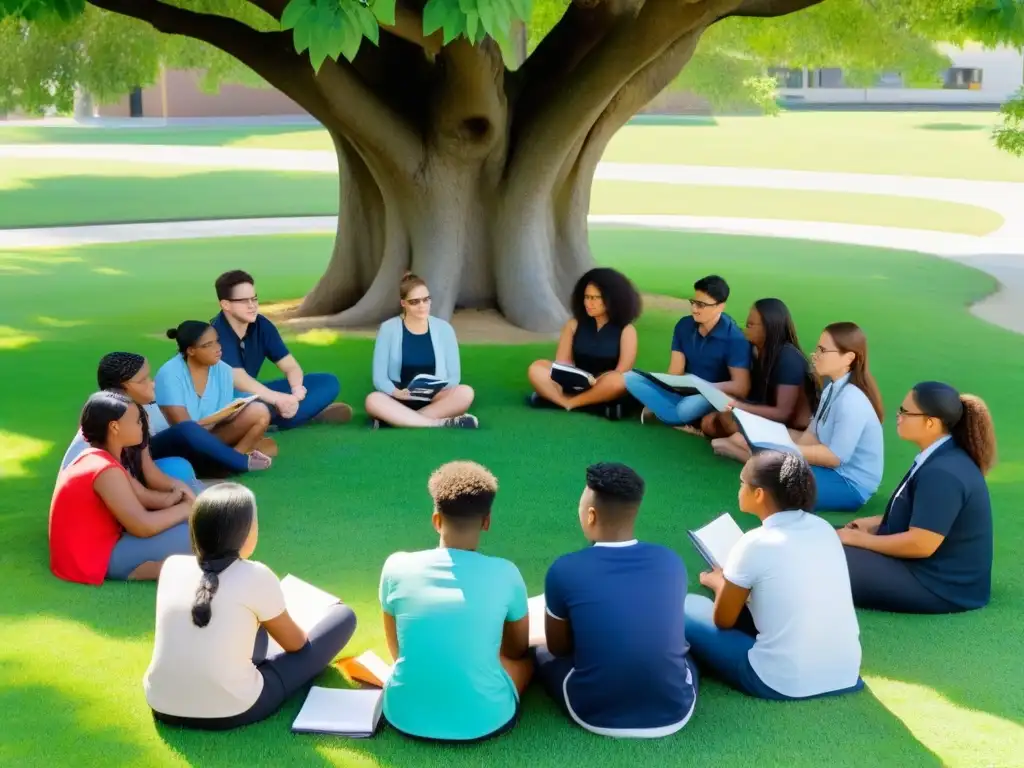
(267, 447)
(335, 413)
(690, 430)
(258, 461)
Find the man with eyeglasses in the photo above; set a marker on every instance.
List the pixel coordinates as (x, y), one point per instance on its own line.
(707, 343)
(248, 338)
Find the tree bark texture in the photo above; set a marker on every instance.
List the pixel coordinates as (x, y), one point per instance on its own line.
(472, 176)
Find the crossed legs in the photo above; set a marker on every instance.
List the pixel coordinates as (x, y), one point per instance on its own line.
(247, 428)
(610, 386)
(446, 404)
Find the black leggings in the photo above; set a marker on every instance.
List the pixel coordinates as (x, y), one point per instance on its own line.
(884, 583)
(283, 674)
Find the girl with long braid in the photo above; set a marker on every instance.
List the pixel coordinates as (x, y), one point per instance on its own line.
(214, 612)
(129, 374)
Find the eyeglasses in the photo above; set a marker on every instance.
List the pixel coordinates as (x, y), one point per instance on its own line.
(698, 304)
(417, 302)
(208, 344)
(246, 300)
(901, 412)
(820, 350)
(591, 297)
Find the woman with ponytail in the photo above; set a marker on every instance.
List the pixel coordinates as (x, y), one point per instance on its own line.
(194, 385)
(129, 374)
(843, 443)
(214, 612)
(931, 552)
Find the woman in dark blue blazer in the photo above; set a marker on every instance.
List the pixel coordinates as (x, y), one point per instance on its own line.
(931, 552)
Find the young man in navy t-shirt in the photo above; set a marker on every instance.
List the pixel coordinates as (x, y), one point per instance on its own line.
(248, 338)
(616, 658)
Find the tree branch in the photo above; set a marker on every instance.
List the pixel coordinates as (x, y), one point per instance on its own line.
(409, 27)
(273, 8)
(770, 8)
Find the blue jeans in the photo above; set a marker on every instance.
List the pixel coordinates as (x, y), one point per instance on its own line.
(669, 407)
(723, 653)
(178, 468)
(321, 390)
(835, 493)
(131, 551)
(197, 445)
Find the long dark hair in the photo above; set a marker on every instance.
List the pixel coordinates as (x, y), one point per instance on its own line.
(785, 477)
(779, 331)
(622, 301)
(220, 522)
(850, 338)
(98, 412)
(187, 334)
(965, 417)
(113, 371)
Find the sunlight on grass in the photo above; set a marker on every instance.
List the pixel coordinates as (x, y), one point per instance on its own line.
(19, 261)
(17, 450)
(109, 271)
(53, 322)
(319, 337)
(12, 338)
(347, 757)
(957, 734)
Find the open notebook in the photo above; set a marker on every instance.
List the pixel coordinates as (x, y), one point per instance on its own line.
(570, 378)
(689, 384)
(229, 411)
(423, 387)
(715, 540)
(764, 434)
(306, 604)
(340, 711)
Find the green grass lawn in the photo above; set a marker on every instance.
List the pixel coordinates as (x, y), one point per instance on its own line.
(59, 192)
(946, 144)
(942, 691)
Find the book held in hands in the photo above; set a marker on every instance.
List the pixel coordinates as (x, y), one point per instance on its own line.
(715, 540)
(424, 387)
(306, 604)
(570, 378)
(228, 412)
(763, 434)
(688, 384)
(340, 711)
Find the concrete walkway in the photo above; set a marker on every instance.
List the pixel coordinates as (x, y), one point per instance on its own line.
(1001, 253)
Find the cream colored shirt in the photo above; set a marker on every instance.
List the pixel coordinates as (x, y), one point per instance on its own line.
(208, 671)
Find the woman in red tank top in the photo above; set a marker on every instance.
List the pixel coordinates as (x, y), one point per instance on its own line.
(96, 518)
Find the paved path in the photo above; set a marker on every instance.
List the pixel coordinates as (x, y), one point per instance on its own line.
(1001, 253)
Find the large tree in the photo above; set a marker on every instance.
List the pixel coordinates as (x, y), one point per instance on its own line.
(473, 173)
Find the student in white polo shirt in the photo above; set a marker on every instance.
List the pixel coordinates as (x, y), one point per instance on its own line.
(782, 625)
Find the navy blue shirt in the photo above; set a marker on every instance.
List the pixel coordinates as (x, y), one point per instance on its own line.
(789, 368)
(260, 342)
(948, 495)
(417, 356)
(711, 356)
(595, 350)
(625, 607)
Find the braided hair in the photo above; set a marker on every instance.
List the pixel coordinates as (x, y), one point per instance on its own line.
(113, 371)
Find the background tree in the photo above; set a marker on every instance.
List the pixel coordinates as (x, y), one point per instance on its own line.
(473, 173)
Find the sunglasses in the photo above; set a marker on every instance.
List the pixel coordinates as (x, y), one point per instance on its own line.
(417, 302)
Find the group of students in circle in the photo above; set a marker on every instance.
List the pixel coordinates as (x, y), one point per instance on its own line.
(781, 624)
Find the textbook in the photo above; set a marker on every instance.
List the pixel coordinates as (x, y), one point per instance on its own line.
(340, 711)
(424, 387)
(688, 384)
(538, 608)
(715, 540)
(367, 667)
(763, 434)
(229, 411)
(570, 378)
(305, 603)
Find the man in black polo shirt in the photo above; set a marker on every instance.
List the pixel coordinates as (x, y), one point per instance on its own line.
(248, 338)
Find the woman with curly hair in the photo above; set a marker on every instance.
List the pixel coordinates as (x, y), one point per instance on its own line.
(931, 552)
(599, 338)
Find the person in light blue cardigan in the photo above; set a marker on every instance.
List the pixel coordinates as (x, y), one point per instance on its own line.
(413, 344)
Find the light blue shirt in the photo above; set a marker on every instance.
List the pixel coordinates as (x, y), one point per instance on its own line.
(174, 387)
(846, 423)
(157, 423)
(387, 354)
(450, 607)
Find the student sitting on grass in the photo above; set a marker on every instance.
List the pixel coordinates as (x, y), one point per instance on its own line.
(99, 527)
(782, 624)
(600, 338)
(248, 338)
(782, 388)
(195, 384)
(707, 343)
(411, 344)
(931, 552)
(844, 442)
(214, 611)
(129, 374)
(456, 622)
(616, 656)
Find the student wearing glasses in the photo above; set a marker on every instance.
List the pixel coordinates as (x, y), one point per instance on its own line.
(931, 552)
(248, 338)
(708, 343)
(843, 443)
(416, 343)
(194, 385)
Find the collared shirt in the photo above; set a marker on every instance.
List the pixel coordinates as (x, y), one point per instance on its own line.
(846, 424)
(920, 459)
(711, 356)
(261, 341)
